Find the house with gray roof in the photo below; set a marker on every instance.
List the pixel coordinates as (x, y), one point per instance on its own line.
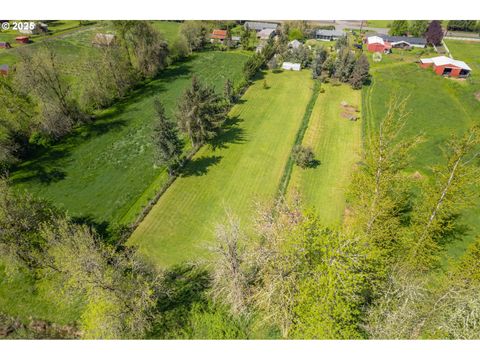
(294, 44)
(404, 41)
(266, 34)
(329, 35)
(259, 26)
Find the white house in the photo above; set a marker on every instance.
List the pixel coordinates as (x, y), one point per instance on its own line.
(291, 66)
(295, 44)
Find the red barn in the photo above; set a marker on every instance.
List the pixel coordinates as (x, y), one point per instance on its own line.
(377, 44)
(443, 65)
(22, 39)
(219, 35)
(4, 70)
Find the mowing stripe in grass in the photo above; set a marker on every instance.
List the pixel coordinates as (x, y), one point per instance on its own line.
(287, 172)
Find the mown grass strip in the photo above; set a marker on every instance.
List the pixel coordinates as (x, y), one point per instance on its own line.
(287, 172)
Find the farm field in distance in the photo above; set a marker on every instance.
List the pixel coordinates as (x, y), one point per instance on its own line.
(245, 166)
(336, 141)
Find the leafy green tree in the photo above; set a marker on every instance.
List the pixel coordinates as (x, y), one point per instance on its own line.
(168, 144)
(342, 42)
(118, 291)
(360, 74)
(332, 291)
(21, 217)
(462, 25)
(196, 33)
(295, 34)
(399, 28)
(435, 216)
(201, 112)
(318, 62)
(145, 47)
(180, 48)
(344, 64)
(418, 28)
(434, 34)
(40, 74)
(303, 156)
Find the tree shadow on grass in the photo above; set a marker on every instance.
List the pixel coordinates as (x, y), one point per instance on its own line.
(42, 158)
(199, 166)
(230, 133)
(184, 286)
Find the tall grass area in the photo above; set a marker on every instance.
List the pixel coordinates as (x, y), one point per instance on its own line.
(245, 164)
(439, 107)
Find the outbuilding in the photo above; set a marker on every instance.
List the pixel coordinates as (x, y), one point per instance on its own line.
(259, 26)
(291, 66)
(22, 39)
(218, 35)
(5, 45)
(443, 65)
(328, 35)
(266, 34)
(294, 44)
(377, 44)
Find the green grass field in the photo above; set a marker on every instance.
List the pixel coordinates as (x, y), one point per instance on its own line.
(246, 165)
(103, 169)
(438, 108)
(336, 143)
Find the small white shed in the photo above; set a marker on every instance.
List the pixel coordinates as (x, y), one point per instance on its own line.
(291, 66)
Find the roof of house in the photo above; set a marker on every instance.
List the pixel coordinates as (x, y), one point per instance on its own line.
(445, 60)
(407, 39)
(257, 25)
(218, 34)
(3, 43)
(375, 40)
(323, 32)
(265, 33)
(236, 38)
(21, 38)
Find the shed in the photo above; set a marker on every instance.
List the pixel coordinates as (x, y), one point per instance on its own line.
(218, 34)
(328, 35)
(4, 69)
(291, 66)
(22, 39)
(5, 45)
(259, 26)
(103, 39)
(443, 65)
(266, 34)
(294, 44)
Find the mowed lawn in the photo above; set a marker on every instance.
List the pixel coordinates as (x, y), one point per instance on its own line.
(438, 108)
(246, 165)
(336, 142)
(103, 169)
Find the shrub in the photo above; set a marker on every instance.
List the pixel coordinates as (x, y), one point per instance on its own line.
(303, 156)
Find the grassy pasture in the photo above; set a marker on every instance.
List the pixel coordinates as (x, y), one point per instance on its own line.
(336, 142)
(104, 168)
(244, 165)
(438, 108)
